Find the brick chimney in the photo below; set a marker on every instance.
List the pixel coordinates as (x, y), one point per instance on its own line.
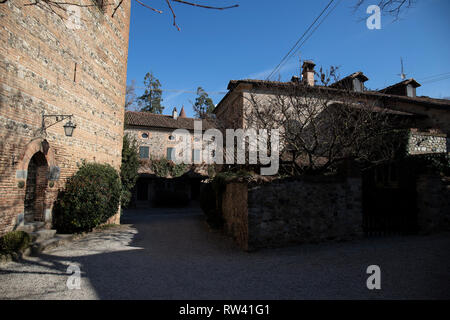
(175, 113)
(308, 72)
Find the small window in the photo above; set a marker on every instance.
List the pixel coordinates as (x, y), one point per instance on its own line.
(145, 135)
(171, 154)
(410, 91)
(171, 138)
(357, 85)
(143, 152)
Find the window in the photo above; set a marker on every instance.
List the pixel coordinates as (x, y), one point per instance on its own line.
(195, 155)
(143, 152)
(145, 135)
(358, 85)
(171, 154)
(171, 138)
(410, 91)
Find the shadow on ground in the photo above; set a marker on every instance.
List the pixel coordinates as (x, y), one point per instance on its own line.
(172, 254)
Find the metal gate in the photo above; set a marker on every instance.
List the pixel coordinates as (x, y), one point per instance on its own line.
(389, 200)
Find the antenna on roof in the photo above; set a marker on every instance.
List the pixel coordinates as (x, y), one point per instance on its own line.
(300, 65)
(402, 74)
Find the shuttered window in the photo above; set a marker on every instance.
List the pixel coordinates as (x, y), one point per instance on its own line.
(143, 152)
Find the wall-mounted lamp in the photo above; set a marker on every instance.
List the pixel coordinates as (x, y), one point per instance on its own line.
(68, 127)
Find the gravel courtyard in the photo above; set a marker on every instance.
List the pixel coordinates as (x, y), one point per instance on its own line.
(171, 254)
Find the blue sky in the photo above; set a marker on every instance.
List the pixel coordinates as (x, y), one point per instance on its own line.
(214, 47)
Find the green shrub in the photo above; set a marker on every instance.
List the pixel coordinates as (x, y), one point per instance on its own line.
(15, 241)
(129, 168)
(91, 196)
(164, 168)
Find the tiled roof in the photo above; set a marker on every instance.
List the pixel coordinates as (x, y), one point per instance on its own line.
(403, 83)
(354, 75)
(147, 119)
(278, 85)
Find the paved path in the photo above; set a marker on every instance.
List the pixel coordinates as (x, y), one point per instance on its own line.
(171, 254)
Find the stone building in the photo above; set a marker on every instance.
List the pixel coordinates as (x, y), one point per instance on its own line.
(431, 116)
(391, 197)
(57, 71)
(158, 138)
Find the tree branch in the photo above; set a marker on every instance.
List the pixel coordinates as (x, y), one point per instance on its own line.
(204, 6)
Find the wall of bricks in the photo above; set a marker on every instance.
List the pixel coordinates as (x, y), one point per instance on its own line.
(47, 67)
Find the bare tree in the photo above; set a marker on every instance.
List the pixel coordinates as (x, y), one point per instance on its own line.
(130, 95)
(391, 7)
(321, 126)
(58, 7)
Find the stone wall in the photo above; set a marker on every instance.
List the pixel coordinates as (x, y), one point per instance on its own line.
(426, 142)
(48, 67)
(293, 211)
(235, 213)
(157, 139)
(433, 203)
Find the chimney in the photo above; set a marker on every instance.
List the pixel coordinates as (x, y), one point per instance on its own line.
(175, 113)
(308, 72)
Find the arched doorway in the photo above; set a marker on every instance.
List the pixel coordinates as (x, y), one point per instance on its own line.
(36, 185)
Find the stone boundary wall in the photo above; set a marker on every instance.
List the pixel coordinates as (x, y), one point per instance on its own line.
(433, 203)
(292, 211)
(235, 214)
(426, 142)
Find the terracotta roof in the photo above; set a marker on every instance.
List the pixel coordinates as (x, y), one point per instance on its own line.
(147, 119)
(269, 85)
(403, 83)
(182, 113)
(354, 75)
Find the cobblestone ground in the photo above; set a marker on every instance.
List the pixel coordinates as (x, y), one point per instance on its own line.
(171, 254)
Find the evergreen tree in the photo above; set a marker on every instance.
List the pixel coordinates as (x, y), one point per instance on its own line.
(129, 168)
(151, 100)
(203, 106)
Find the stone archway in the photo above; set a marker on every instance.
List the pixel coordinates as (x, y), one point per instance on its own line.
(37, 166)
(36, 184)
